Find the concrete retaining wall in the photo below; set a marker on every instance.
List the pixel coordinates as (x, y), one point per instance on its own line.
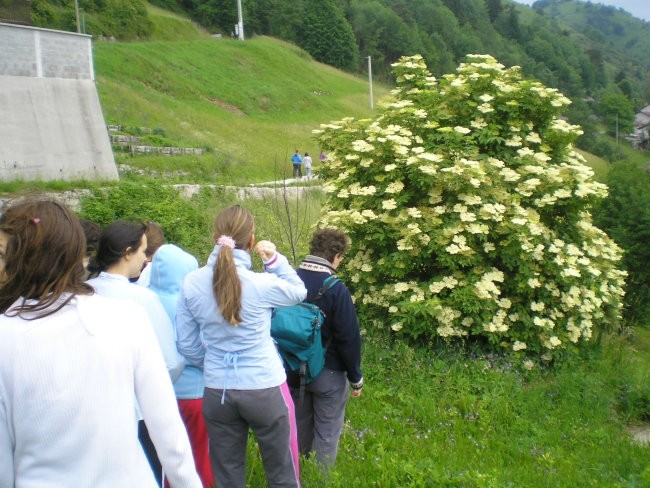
(44, 53)
(51, 122)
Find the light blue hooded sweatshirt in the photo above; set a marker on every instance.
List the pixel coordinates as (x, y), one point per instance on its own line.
(242, 357)
(169, 266)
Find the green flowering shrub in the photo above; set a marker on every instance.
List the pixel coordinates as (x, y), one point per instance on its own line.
(469, 213)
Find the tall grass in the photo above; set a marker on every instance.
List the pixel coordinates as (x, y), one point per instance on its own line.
(168, 26)
(445, 417)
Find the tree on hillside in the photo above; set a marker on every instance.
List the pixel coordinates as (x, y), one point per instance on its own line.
(625, 215)
(469, 213)
(221, 14)
(494, 9)
(381, 34)
(326, 34)
(616, 111)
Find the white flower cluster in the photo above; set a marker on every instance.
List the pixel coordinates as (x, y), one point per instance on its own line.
(485, 288)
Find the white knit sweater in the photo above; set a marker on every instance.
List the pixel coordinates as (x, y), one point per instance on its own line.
(67, 389)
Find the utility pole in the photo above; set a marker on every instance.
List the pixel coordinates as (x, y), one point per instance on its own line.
(370, 81)
(76, 11)
(240, 22)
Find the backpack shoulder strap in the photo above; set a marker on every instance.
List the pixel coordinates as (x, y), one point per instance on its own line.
(328, 283)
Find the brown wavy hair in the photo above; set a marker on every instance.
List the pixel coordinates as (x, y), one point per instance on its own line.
(238, 223)
(155, 238)
(327, 243)
(43, 258)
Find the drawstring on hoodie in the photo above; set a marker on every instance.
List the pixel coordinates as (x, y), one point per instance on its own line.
(230, 358)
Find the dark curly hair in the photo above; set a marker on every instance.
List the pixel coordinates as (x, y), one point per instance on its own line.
(327, 243)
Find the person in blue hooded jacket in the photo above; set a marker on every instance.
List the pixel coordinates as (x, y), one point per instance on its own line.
(223, 322)
(168, 268)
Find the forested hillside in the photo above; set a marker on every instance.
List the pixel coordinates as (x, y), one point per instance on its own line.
(598, 57)
(611, 27)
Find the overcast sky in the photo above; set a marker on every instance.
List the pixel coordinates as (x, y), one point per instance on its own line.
(638, 8)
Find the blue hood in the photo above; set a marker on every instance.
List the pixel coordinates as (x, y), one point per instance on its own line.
(169, 267)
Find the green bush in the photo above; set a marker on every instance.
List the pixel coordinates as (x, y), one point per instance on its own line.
(183, 222)
(469, 213)
(188, 222)
(625, 216)
(124, 19)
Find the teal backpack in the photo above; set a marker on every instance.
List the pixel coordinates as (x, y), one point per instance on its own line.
(297, 333)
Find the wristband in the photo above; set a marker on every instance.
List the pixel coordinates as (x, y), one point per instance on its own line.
(272, 261)
(358, 385)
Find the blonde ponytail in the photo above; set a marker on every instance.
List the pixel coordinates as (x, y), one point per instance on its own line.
(234, 227)
(227, 287)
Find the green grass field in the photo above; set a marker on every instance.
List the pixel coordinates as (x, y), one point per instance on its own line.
(445, 417)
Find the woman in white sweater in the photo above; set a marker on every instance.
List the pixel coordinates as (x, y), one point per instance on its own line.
(71, 363)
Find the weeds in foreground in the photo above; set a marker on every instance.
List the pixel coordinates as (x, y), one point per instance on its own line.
(440, 417)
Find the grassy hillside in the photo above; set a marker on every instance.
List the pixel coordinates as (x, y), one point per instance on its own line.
(435, 416)
(168, 26)
(251, 103)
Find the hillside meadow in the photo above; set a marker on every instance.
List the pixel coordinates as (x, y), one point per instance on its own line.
(249, 104)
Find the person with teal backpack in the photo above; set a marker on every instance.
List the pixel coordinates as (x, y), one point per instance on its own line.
(297, 333)
(321, 412)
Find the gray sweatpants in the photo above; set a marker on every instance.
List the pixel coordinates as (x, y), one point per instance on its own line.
(320, 417)
(269, 414)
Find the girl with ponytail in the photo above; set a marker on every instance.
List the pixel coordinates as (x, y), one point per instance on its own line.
(223, 323)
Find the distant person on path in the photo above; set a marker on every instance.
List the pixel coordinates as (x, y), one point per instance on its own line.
(308, 162)
(323, 156)
(72, 363)
(296, 161)
(321, 414)
(120, 257)
(223, 323)
(168, 268)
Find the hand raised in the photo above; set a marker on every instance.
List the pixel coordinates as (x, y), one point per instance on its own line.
(265, 249)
